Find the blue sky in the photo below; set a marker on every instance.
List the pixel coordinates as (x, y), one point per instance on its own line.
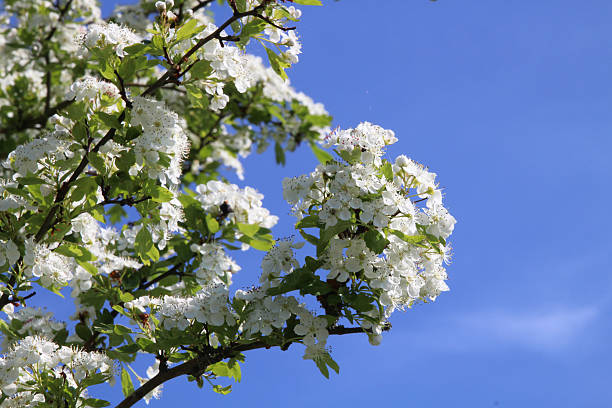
(509, 102)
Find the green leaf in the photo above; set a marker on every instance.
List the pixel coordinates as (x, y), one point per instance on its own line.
(94, 379)
(222, 390)
(127, 68)
(188, 30)
(116, 213)
(277, 63)
(322, 367)
(350, 156)
(4, 328)
(313, 264)
(95, 403)
(248, 229)
(241, 5)
(330, 362)
(126, 297)
(361, 303)
(312, 221)
(109, 120)
(144, 246)
(75, 251)
(250, 29)
(223, 369)
(308, 2)
(297, 279)
(334, 230)
(29, 180)
(126, 382)
(120, 310)
(75, 111)
(310, 238)
(201, 70)
(387, 171)
(375, 241)
(161, 194)
(121, 330)
(279, 154)
(327, 234)
(79, 131)
(211, 224)
(96, 160)
(261, 245)
(83, 187)
(411, 239)
(83, 331)
(129, 348)
(135, 49)
(322, 156)
(88, 267)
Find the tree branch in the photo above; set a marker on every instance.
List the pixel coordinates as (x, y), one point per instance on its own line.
(122, 92)
(198, 366)
(170, 272)
(129, 201)
(174, 73)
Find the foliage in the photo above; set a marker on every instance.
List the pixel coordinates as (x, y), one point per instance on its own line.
(115, 137)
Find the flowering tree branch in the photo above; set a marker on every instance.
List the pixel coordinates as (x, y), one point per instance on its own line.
(198, 366)
(378, 227)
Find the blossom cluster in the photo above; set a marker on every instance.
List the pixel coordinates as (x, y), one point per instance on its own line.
(366, 200)
(38, 154)
(34, 354)
(215, 267)
(89, 88)
(161, 148)
(109, 35)
(260, 314)
(31, 321)
(74, 163)
(233, 204)
(52, 269)
(279, 259)
(110, 249)
(9, 253)
(265, 313)
(208, 306)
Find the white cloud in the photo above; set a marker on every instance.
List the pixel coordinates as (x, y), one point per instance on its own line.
(544, 330)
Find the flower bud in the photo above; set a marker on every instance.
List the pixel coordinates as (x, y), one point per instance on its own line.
(189, 13)
(170, 3)
(374, 339)
(160, 6)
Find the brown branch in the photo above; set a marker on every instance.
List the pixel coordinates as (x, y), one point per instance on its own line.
(201, 4)
(170, 272)
(174, 73)
(63, 12)
(50, 219)
(273, 24)
(122, 92)
(130, 201)
(170, 88)
(198, 365)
